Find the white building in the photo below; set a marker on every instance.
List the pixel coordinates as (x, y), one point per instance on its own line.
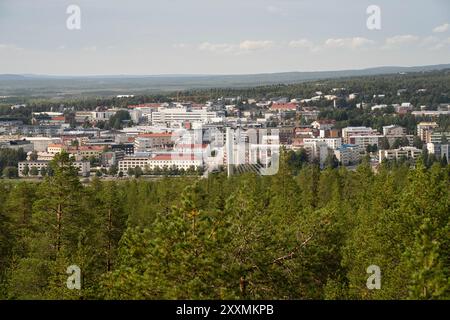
(366, 140)
(356, 131)
(83, 167)
(424, 129)
(170, 115)
(397, 154)
(439, 150)
(169, 160)
(41, 143)
(393, 130)
(317, 150)
(347, 154)
(332, 143)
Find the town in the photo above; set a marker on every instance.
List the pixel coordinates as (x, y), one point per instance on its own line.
(187, 138)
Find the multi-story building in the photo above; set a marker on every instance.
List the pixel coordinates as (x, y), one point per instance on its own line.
(26, 146)
(148, 141)
(41, 143)
(348, 154)
(169, 160)
(332, 143)
(82, 166)
(56, 148)
(365, 140)
(317, 150)
(393, 130)
(112, 158)
(439, 150)
(171, 115)
(424, 130)
(85, 152)
(128, 148)
(349, 132)
(82, 116)
(401, 153)
(438, 136)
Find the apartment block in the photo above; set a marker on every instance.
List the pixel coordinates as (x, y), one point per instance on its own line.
(397, 154)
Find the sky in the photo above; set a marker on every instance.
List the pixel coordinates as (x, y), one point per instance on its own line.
(150, 37)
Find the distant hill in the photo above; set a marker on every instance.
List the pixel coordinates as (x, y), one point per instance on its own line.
(45, 85)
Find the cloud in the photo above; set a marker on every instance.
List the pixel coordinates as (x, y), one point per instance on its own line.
(440, 44)
(256, 45)
(244, 46)
(442, 28)
(349, 43)
(401, 40)
(220, 47)
(302, 43)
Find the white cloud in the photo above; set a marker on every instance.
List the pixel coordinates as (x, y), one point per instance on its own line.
(441, 44)
(401, 40)
(244, 46)
(349, 43)
(218, 47)
(256, 45)
(442, 28)
(302, 43)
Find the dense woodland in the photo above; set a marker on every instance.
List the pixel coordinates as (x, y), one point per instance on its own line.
(301, 234)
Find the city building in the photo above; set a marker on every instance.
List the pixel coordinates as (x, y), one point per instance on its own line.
(357, 131)
(424, 130)
(317, 150)
(332, 143)
(439, 150)
(394, 130)
(348, 154)
(397, 154)
(169, 160)
(82, 166)
(182, 114)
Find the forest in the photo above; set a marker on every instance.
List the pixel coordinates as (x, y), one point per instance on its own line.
(303, 233)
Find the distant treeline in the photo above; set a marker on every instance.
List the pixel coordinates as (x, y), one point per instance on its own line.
(436, 91)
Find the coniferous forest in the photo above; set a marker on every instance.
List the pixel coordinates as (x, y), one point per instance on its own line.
(304, 233)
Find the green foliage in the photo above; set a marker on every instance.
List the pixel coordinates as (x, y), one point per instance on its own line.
(301, 234)
(11, 157)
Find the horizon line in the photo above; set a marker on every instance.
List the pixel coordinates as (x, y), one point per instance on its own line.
(219, 74)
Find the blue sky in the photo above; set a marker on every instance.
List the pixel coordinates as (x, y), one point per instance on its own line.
(219, 36)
